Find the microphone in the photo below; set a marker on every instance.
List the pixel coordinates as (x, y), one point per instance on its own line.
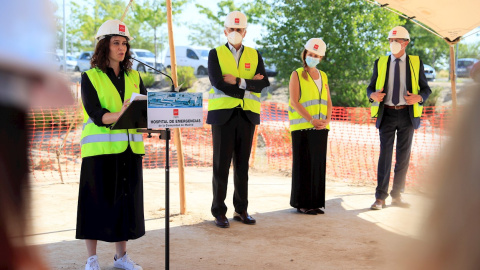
(173, 86)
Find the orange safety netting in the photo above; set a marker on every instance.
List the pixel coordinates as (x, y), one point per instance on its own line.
(353, 144)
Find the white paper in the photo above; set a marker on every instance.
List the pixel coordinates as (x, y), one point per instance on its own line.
(136, 96)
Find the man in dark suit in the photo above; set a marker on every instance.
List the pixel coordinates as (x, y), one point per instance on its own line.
(397, 90)
(237, 75)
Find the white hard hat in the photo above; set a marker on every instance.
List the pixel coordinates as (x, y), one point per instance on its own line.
(113, 27)
(236, 19)
(399, 32)
(316, 45)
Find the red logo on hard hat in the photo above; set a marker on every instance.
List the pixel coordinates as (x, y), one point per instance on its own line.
(247, 65)
(315, 47)
(121, 28)
(237, 20)
(175, 112)
(394, 32)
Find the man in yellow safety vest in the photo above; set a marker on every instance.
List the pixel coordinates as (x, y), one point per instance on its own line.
(237, 75)
(397, 90)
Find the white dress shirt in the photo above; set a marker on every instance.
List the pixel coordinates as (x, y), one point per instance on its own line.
(237, 55)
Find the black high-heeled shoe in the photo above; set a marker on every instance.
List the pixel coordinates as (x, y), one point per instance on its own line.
(307, 211)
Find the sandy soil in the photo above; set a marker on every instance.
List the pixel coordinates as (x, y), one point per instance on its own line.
(348, 236)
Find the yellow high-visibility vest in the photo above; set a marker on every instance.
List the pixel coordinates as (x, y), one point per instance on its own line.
(102, 140)
(382, 73)
(217, 100)
(316, 105)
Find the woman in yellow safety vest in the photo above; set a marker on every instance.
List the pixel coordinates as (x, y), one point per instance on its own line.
(309, 112)
(110, 200)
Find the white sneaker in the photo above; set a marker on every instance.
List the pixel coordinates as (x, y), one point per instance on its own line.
(125, 263)
(92, 263)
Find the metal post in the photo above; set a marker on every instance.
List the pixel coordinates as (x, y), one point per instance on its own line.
(167, 202)
(165, 135)
(64, 39)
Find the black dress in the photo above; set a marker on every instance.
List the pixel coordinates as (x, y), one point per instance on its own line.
(309, 149)
(110, 200)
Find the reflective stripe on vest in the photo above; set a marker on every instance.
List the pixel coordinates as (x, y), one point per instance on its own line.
(89, 121)
(414, 62)
(310, 98)
(101, 140)
(104, 138)
(247, 65)
(310, 103)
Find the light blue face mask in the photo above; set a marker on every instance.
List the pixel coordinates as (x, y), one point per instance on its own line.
(312, 62)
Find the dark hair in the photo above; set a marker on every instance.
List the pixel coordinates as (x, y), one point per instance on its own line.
(100, 56)
(303, 55)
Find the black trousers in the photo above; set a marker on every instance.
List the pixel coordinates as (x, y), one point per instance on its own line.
(394, 122)
(309, 149)
(231, 140)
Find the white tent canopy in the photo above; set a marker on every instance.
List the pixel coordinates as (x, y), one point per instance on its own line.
(449, 19)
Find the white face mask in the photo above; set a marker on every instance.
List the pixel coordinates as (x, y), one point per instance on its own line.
(395, 47)
(234, 38)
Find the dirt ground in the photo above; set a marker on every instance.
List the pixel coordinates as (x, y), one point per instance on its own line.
(348, 236)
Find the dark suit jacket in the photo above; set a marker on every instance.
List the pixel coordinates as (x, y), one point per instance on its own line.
(422, 81)
(220, 117)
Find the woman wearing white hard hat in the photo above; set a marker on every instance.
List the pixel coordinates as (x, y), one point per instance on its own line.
(309, 112)
(110, 203)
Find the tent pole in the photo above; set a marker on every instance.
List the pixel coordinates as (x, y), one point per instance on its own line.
(453, 77)
(177, 132)
(126, 9)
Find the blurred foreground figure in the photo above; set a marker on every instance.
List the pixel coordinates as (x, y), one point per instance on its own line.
(27, 79)
(452, 234)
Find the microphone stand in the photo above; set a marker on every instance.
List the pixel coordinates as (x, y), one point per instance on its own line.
(164, 135)
(145, 64)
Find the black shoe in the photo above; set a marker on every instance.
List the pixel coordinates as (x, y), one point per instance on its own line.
(222, 221)
(319, 211)
(244, 217)
(307, 211)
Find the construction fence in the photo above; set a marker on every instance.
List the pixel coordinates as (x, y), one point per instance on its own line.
(353, 144)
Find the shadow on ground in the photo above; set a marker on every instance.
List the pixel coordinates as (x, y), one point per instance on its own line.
(282, 239)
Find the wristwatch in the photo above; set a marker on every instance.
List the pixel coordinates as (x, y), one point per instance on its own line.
(238, 81)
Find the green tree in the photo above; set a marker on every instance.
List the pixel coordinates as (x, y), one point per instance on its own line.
(432, 49)
(84, 23)
(468, 50)
(210, 33)
(153, 14)
(355, 33)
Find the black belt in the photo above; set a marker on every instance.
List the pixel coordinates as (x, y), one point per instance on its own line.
(398, 107)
